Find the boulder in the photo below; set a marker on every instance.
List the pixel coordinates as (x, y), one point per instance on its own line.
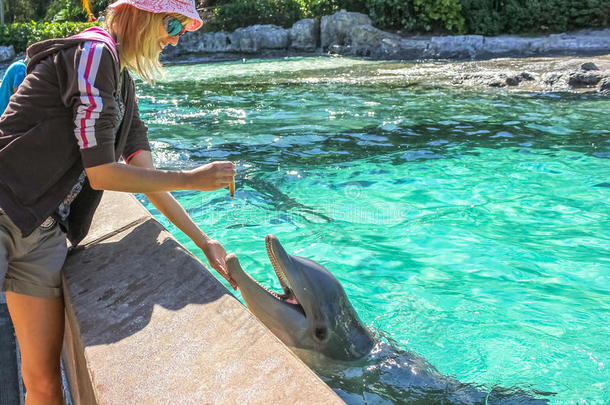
(258, 37)
(584, 79)
(335, 29)
(588, 66)
(210, 42)
(305, 35)
(340, 49)
(513, 80)
(583, 41)
(216, 42)
(551, 78)
(7, 53)
(506, 45)
(369, 41)
(604, 86)
(456, 47)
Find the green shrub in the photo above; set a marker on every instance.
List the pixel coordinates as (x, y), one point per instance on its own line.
(496, 17)
(417, 15)
(242, 13)
(19, 10)
(319, 8)
(23, 35)
(65, 10)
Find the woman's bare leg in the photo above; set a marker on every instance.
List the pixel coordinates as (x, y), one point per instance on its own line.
(39, 326)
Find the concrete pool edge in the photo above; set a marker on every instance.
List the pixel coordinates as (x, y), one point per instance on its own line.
(147, 323)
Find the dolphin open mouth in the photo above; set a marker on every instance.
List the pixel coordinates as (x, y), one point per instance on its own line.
(288, 297)
(257, 295)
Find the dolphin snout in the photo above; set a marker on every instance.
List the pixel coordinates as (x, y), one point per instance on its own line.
(234, 268)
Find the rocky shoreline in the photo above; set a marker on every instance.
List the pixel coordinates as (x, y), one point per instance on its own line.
(559, 62)
(578, 62)
(352, 34)
(544, 74)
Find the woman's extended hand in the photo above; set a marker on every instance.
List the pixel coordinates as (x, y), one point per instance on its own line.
(216, 256)
(213, 176)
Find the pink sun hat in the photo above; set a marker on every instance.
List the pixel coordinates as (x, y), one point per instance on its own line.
(184, 7)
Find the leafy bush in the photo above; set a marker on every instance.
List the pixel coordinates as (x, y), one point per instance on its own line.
(533, 16)
(412, 15)
(319, 8)
(417, 15)
(20, 10)
(23, 35)
(242, 13)
(65, 10)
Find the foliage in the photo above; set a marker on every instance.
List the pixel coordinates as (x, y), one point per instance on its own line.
(486, 17)
(319, 8)
(19, 10)
(65, 10)
(23, 35)
(494, 17)
(412, 15)
(417, 15)
(242, 13)
(50, 10)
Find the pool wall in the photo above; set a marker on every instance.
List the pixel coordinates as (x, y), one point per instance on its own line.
(146, 323)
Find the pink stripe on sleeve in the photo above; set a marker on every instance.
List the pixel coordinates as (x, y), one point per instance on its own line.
(92, 104)
(132, 155)
(90, 101)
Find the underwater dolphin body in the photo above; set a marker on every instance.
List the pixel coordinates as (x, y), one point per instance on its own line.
(314, 314)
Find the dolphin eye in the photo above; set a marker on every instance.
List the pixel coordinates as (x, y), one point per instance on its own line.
(320, 333)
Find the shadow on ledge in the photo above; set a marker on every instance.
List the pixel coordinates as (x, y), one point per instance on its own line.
(115, 284)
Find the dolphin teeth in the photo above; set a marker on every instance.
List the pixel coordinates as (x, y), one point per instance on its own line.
(276, 267)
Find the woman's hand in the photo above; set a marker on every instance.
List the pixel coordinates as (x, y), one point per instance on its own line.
(216, 256)
(213, 176)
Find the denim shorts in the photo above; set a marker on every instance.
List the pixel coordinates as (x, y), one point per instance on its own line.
(31, 265)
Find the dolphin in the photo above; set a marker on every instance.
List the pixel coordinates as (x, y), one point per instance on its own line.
(314, 316)
(313, 313)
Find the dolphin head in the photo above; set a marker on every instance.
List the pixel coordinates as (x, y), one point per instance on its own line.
(313, 313)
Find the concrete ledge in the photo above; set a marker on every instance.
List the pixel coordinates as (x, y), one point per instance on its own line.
(148, 324)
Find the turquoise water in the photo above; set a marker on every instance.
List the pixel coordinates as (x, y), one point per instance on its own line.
(472, 228)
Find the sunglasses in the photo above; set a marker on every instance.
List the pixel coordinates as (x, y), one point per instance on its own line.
(173, 26)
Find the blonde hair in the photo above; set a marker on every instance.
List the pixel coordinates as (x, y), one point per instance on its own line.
(137, 34)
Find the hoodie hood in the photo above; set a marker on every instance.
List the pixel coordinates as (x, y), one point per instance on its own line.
(40, 50)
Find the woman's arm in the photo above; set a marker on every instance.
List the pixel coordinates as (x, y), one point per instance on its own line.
(144, 179)
(172, 210)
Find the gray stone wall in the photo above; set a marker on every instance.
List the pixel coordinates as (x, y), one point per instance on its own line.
(352, 34)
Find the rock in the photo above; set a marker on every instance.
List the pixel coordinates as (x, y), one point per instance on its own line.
(526, 76)
(588, 66)
(456, 47)
(496, 83)
(7, 53)
(551, 78)
(257, 37)
(339, 49)
(582, 41)
(216, 42)
(583, 79)
(212, 42)
(505, 45)
(374, 43)
(305, 35)
(604, 86)
(335, 29)
(513, 80)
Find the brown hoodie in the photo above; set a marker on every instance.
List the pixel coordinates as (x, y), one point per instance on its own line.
(62, 119)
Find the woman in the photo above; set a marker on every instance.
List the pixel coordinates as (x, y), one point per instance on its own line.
(61, 137)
